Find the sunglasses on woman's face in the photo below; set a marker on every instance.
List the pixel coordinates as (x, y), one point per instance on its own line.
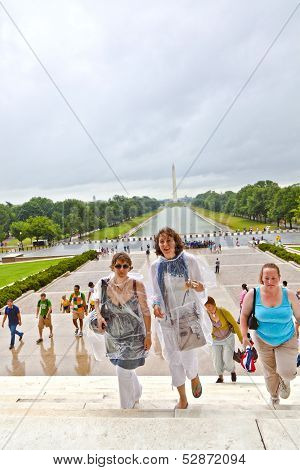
(119, 266)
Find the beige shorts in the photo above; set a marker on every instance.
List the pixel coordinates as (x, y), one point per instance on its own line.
(45, 322)
(78, 314)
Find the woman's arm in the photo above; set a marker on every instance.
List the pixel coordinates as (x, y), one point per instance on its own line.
(156, 294)
(142, 297)
(245, 313)
(196, 280)
(97, 296)
(295, 305)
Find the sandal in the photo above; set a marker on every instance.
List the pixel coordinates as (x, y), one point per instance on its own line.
(197, 389)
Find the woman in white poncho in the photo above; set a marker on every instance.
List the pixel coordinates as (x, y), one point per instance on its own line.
(178, 303)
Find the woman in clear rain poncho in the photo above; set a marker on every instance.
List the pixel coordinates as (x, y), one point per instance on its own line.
(178, 302)
(124, 318)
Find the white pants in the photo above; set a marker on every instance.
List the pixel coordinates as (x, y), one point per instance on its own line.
(223, 355)
(130, 389)
(182, 364)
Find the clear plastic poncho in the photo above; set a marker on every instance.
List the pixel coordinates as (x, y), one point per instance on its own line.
(184, 314)
(123, 306)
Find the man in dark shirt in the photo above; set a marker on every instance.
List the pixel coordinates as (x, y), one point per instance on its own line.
(14, 319)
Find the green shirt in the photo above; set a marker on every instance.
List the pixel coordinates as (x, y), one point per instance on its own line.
(44, 306)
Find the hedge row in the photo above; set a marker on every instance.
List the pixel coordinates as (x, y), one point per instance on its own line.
(280, 252)
(41, 279)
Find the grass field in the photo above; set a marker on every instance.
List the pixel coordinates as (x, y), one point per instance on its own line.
(14, 272)
(114, 232)
(14, 242)
(295, 248)
(234, 223)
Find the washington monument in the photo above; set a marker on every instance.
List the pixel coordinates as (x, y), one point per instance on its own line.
(174, 184)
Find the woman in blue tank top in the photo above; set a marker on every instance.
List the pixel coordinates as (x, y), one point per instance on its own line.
(275, 337)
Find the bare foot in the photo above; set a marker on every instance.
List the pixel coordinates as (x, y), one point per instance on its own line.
(181, 405)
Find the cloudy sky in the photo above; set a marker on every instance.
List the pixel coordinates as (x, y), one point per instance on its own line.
(150, 82)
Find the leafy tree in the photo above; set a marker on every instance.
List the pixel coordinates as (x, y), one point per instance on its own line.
(20, 230)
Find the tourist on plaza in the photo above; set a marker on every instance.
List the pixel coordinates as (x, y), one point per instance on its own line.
(90, 299)
(79, 309)
(275, 338)
(65, 304)
(123, 315)
(223, 328)
(14, 319)
(242, 296)
(217, 266)
(183, 325)
(43, 311)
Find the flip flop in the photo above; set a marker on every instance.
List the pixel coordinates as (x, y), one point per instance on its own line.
(197, 389)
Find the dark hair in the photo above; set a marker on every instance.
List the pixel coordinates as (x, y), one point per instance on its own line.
(244, 286)
(284, 283)
(121, 255)
(171, 233)
(270, 266)
(91, 284)
(210, 300)
(76, 285)
(43, 294)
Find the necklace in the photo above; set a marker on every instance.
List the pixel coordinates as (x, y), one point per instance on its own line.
(120, 285)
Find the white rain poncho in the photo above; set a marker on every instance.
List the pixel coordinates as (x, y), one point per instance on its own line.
(183, 307)
(123, 307)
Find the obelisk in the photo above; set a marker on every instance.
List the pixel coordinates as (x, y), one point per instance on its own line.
(174, 184)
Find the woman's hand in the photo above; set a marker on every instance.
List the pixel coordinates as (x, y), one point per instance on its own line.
(157, 312)
(246, 342)
(198, 286)
(101, 323)
(147, 342)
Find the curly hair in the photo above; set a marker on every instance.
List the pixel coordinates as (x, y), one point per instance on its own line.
(121, 255)
(179, 245)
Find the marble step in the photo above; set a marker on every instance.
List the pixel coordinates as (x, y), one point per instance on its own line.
(98, 432)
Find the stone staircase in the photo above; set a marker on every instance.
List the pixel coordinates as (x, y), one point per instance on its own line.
(83, 413)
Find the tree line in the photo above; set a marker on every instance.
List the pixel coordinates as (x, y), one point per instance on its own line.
(263, 201)
(43, 219)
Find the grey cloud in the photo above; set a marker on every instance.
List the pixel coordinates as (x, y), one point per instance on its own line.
(150, 81)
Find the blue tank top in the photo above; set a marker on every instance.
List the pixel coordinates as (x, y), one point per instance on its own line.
(276, 324)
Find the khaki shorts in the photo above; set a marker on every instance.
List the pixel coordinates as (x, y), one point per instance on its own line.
(78, 314)
(45, 322)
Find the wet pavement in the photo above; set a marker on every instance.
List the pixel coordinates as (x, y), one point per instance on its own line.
(66, 354)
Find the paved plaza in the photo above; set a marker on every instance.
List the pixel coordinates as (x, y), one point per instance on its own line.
(66, 354)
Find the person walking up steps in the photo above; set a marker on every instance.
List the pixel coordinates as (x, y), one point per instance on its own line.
(44, 309)
(217, 266)
(223, 328)
(79, 309)
(275, 338)
(14, 319)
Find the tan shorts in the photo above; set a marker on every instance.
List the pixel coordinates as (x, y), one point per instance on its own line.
(45, 322)
(78, 314)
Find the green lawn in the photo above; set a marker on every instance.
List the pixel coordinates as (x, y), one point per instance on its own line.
(295, 248)
(14, 242)
(234, 223)
(16, 271)
(118, 230)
